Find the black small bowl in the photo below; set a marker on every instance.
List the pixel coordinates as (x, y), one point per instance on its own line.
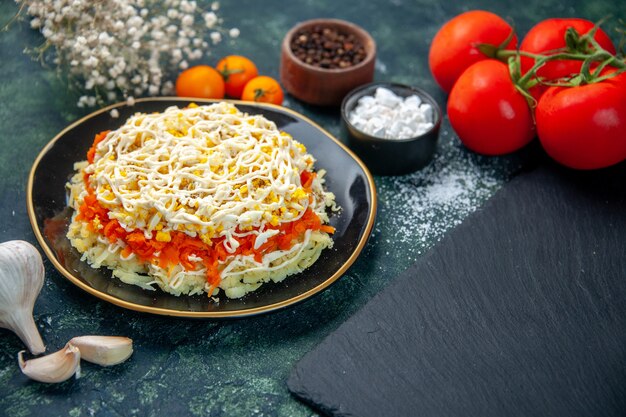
(391, 156)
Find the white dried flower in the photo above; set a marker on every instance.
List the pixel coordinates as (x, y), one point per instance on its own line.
(167, 88)
(92, 62)
(118, 25)
(135, 21)
(188, 6)
(187, 20)
(105, 38)
(210, 19)
(216, 37)
(115, 49)
(121, 82)
(177, 54)
(195, 54)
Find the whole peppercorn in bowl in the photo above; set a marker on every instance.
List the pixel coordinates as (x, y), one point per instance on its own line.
(323, 59)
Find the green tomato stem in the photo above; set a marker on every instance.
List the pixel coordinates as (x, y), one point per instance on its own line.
(581, 48)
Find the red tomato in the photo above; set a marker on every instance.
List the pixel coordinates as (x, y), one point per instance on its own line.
(549, 35)
(490, 116)
(453, 48)
(584, 127)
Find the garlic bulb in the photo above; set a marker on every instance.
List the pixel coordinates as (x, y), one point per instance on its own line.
(104, 350)
(21, 279)
(56, 367)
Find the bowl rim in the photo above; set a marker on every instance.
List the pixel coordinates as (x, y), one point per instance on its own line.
(359, 92)
(349, 26)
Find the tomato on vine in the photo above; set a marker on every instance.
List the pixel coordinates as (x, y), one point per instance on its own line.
(487, 111)
(237, 71)
(584, 127)
(549, 35)
(263, 89)
(455, 46)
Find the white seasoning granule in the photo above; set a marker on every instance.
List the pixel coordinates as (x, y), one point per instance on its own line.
(388, 116)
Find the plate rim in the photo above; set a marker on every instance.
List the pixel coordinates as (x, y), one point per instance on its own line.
(200, 314)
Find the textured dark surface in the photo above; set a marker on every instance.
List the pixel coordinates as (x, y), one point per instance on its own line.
(519, 311)
(239, 368)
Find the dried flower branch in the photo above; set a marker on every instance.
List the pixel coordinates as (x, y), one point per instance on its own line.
(116, 49)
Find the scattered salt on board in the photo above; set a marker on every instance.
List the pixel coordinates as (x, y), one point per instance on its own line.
(388, 116)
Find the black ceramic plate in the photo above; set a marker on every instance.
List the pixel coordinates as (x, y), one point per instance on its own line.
(347, 177)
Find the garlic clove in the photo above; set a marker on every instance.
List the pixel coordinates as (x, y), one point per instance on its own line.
(23, 325)
(56, 367)
(21, 278)
(104, 350)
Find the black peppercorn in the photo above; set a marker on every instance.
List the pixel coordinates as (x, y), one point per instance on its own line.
(327, 48)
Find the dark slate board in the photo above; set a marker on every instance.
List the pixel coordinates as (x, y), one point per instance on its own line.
(519, 311)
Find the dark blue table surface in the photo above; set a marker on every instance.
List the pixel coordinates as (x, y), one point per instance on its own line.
(239, 368)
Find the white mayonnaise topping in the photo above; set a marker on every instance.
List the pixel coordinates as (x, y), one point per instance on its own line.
(207, 171)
